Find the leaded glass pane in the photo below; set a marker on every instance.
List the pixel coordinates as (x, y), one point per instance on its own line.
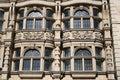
(49, 13)
(47, 65)
(31, 53)
(78, 64)
(36, 64)
(1, 26)
(16, 65)
(34, 14)
(86, 23)
(67, 13)
(98, 51)
(29, 24)
(66, 24)
(67, 65)
(88, 64)
(21, 13)
(38, 24)
(17, 52)
(79, 53)
(96, 24)
(49, 25)
(81, 13)
(77, 23)
(86, 53)
(99, 65)
(20, 25)
(67, 52)
(26, 64)
(95, 12)
(1, 14)
(48, 52)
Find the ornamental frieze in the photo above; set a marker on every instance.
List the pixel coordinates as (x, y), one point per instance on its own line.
(82, 35)
(34, 35)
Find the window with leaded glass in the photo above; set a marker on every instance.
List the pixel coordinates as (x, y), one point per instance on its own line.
(1, 19)
(96, 23)
(49, 24)
(21, 13)
(82, 60)
(34, 20)
(80, 20)
(67, 12)
(49, 13)
(48, 60)
(67, 60)
(98, 51)
(95, 12)
(98, 64)
(31, 60)
(66, 25)
(16, 59)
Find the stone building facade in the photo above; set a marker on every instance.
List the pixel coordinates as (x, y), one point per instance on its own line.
(59, 40)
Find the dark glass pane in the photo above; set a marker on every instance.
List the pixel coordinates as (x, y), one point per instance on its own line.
(67, 25)
(1, 14)
(21, 13)
(48, 52)
(86, 53)
(98, 51)
(16, 65)
(79, 53)
(47, 65)
(78, 64)
(88, 64)
(36, 64)
(17, 52)
(95, 12)
(49, 25)
(29, 24)
(67, 13)
(20, 24)
(49, 13)
(1, 26)
(86, 23)
(34, 14)
(77, 23)
(38, 24)
(26, 64)
(99, 65)
(67, 52)
(67, 65)
(81, 13)
(32, 52)
(96, 24)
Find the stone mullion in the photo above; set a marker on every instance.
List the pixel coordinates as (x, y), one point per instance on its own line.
(71, 19)
(42, 61)
(72, 58)
(21, 59)
(24, 20)
(93, 59)
(91, 18)
(43, 19)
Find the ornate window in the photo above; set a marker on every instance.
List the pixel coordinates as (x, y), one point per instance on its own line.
(49, 19)
(99, 59)
(1, 19)
(67, 59)
(17, 59)
(20, 20)
(81, 19)
(31, 60)
(66, 20)
(48, 61)
(82, 60)
(34, 20)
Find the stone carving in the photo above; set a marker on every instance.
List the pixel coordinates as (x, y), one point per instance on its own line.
(66, 35)
(82, 35)
(34, 35)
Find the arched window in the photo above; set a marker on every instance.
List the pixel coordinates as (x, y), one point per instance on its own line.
(82, 60)
(1, 19)
(48, 61)
(31, 60)
(81, 19)
(34, 20)
(49, 13)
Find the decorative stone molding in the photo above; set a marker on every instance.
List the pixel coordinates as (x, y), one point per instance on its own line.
(82, 35)
(34, 35)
